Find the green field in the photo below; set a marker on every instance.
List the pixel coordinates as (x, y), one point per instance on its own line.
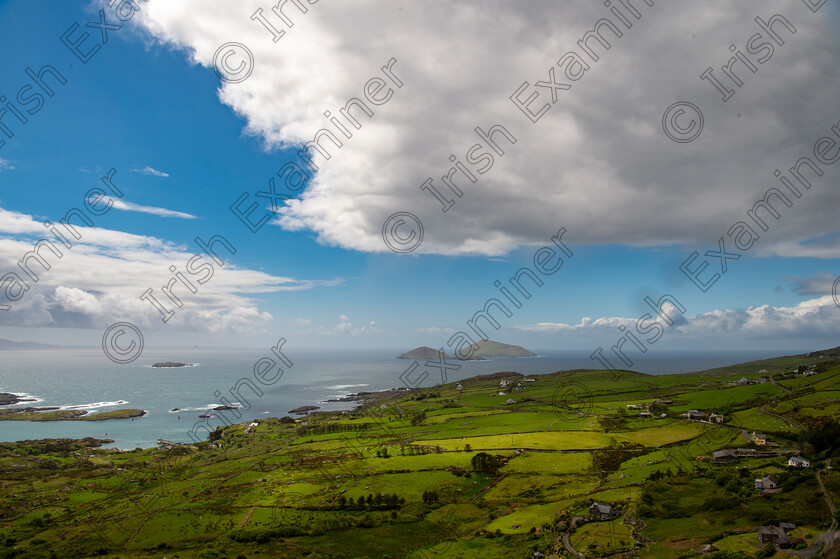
(469, 477)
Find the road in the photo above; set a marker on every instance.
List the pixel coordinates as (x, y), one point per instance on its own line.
(829, 536)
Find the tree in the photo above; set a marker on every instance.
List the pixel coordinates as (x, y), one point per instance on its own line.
(467, 447)
(768, 550)
(483, 462)
(418, 418)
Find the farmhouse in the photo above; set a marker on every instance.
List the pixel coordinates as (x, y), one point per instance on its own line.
(769, 482)
(775, 535)
(694, 414)
(645, 414)
(600, 510)
(798, 461)
(758, 439)
(724, 457)
(716, 417)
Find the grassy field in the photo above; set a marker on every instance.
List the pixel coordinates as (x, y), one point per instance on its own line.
(473, 478)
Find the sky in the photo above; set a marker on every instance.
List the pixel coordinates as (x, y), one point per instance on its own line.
(627, 156)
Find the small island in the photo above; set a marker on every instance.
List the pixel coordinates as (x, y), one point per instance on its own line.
(55, 414)
(170, 365)
(8, 399)
(423, 352)
(486, 349)
(304, 409)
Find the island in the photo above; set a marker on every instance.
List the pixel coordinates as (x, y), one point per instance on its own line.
(8, 399)
(485, 349)
(361, 396)
(55, 414)
(170, 365)
(423, 352)
(304, 409)
(489, 348)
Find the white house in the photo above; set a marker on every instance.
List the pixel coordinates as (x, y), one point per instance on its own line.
(799, 462)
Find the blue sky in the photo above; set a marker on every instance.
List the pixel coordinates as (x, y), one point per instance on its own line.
(149, 100)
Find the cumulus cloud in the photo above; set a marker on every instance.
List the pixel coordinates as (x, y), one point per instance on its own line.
(597, 163)
(344, 327)
(100, 279)
(150, 171)
(811, 318)
(6, 165)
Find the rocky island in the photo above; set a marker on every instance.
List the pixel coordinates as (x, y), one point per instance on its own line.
(55, 414)
(170, 365)
(8, 399)
(304, 409)
(486, 349)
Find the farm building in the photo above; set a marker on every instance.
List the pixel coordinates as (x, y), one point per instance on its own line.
(798, 461)
(600, 510)
(775, 535)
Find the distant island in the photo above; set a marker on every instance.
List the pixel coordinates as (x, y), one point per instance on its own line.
(424, 352)
(25, 346)
(170, 365)
(481, 350)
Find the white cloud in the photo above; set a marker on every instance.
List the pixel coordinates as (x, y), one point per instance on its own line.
(100, 279)
(150, 171)
(597, 163)
(811, 318)
(343, 328)
(6, 165)
(162, 212)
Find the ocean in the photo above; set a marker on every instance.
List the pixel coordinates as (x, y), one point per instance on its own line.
(85, 379)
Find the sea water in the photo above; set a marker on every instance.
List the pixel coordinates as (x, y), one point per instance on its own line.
(85, 379)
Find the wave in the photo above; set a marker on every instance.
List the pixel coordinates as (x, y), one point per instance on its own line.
(31, 399)
(345, 386)
(94, 405)
(205, 407)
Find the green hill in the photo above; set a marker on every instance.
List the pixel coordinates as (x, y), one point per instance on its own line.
(482, 350)
(489, 348)
(423, 352)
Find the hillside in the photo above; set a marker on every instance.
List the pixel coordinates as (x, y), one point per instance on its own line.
(459, 471)
(489, 348)
(423, 352)
(481, 350)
